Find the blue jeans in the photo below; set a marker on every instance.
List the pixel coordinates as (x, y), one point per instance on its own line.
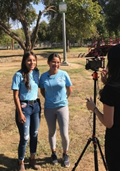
(29, 129)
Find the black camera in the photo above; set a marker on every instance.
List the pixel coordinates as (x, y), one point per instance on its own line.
(95, 63)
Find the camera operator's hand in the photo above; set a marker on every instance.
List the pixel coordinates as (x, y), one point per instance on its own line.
(104, 76)
(90, 104)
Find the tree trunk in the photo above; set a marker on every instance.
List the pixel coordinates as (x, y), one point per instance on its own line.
(68, 47)
(12, 44)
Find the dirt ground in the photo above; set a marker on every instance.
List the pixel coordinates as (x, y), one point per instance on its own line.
(81, 120)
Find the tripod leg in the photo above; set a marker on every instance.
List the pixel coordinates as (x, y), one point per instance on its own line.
(76, 164)
(105, 164)
(95, 154)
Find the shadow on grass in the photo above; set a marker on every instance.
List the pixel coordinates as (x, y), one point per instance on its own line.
(7, 164)
(11, 164)
(43, 161)
(47, 161)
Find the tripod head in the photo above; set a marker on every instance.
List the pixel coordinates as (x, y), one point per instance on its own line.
(95, 75)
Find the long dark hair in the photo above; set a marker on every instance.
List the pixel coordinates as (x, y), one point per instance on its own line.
(113, 65)
(24, 69)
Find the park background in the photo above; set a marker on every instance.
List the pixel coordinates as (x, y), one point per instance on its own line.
(37, 25)
(81, 120)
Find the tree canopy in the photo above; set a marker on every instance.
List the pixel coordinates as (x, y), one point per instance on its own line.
(81, 18)
(84, 19)
(21, 11)
(111, 10)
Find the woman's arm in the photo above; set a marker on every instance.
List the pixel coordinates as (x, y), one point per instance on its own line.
(43, 92)
(21, 116)
(107, 117)
(69, 91)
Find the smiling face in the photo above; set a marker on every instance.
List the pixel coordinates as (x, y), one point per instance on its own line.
(31, 62)
(54, 65)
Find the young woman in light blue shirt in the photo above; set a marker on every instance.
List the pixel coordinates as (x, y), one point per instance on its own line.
(25, 92)
(55, 87)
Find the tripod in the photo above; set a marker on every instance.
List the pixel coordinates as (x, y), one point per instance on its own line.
(93, 139)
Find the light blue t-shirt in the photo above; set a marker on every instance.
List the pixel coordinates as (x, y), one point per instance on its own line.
(18, 84)
(55, 88)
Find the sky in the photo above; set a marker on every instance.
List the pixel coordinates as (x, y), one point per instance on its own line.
(37, 7)
(40, 7)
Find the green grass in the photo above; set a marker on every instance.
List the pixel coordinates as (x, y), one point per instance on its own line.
(80, 126)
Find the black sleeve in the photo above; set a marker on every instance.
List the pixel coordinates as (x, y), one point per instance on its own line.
(108, 96)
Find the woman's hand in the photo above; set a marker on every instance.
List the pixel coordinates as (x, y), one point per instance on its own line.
(90, 104)
(22, 118)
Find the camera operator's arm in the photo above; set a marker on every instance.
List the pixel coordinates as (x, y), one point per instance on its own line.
(107, 117)
(104, 76)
